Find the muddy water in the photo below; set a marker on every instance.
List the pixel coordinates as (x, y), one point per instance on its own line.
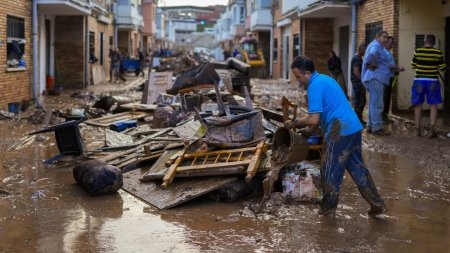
(43, 210)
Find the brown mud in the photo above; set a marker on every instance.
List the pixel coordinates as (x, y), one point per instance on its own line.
(43, 210)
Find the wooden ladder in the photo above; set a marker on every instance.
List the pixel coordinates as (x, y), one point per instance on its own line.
(216, 160)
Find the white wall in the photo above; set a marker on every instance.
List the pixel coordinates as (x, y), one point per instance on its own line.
(416, 17)
(42, 42)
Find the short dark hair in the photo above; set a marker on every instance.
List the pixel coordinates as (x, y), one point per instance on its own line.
(391, 38)
(303, 63)
(380, 33)
(430, 38)
(362, 46)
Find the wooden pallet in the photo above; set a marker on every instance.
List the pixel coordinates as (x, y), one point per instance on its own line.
(199, 162)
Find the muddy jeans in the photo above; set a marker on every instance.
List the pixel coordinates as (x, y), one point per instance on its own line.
(344, 152)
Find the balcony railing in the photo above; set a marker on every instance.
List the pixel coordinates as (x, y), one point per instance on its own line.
(261, 20)
(128, 15)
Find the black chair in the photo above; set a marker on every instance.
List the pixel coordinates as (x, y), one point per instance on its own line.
(68, 139)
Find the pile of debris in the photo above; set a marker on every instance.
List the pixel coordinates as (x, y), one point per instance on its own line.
(188, 137)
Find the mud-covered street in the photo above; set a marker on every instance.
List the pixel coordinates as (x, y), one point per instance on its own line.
(42, 209)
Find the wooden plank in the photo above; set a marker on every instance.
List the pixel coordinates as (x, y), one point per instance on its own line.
(181, 190)
(185, 174)
(256, 159)
(171, 172)
(106, 121)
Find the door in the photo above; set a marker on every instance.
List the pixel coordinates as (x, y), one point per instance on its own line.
(286, 57)
(344, 42)
(101, 48)
(47, 46)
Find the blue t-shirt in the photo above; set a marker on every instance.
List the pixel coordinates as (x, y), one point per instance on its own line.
(326, 97)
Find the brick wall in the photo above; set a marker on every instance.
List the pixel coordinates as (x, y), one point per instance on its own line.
(386, 11)
(15, 86)
(295, 29)
(317, 41)
(69, 51)
(107, 30)
(276, 65)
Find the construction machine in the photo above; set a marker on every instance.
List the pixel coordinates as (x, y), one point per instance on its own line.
(253, 56)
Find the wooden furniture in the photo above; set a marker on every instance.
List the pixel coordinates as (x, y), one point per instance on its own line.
(230, 160)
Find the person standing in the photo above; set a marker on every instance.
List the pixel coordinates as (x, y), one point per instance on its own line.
(394, 71)
(141, 63)
(115, 57)
(359, 92)
(328, 106)
(375, 77)
(335, 68)
(427, 62)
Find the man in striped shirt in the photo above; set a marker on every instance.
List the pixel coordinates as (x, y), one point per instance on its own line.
(427, 62)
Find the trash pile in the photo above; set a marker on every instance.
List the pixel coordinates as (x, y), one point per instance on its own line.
(188, 136)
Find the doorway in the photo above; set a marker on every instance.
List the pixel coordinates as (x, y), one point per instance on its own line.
(344, 42)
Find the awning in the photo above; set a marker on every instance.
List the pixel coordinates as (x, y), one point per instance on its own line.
(326, 10)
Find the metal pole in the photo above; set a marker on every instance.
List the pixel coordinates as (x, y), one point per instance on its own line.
(35, 54)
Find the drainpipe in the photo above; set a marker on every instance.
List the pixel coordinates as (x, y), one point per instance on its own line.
(355, 4)
(35, 87)
(271, 51)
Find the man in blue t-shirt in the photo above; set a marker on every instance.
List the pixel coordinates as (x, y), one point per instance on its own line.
(328, 106)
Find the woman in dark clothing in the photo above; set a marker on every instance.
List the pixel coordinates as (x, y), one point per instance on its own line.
(334, 66)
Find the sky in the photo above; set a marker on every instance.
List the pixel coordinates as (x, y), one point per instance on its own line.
(192, 2)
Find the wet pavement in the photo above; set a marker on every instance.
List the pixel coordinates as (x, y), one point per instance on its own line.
(43, 210)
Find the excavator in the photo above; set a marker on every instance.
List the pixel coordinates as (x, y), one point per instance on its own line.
(252, 55)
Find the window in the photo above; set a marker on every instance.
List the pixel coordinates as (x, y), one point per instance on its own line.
(92, 47)
(296, 50)
(372, 29)
(111, 42)
(15, 48)
(101, 48)
(275, 50)
(420, 40)
(242, 14)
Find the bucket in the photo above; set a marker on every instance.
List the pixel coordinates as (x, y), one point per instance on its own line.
(50, 82)
(296, 146)
(14, 107)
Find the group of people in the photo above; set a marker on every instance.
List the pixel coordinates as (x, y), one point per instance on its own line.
(373, 70)
(116, 69)
(328, 108)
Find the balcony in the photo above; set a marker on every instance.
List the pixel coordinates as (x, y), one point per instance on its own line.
(261, 20)
(128, 17)
(328, 9)
(65, 7)
(238, 30)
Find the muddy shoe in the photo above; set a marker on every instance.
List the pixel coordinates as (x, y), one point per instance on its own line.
(381, 132)
(374, 211)
(432, 134)
(417, 132)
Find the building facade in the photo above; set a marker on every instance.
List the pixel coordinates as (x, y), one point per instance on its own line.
(16, 67)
